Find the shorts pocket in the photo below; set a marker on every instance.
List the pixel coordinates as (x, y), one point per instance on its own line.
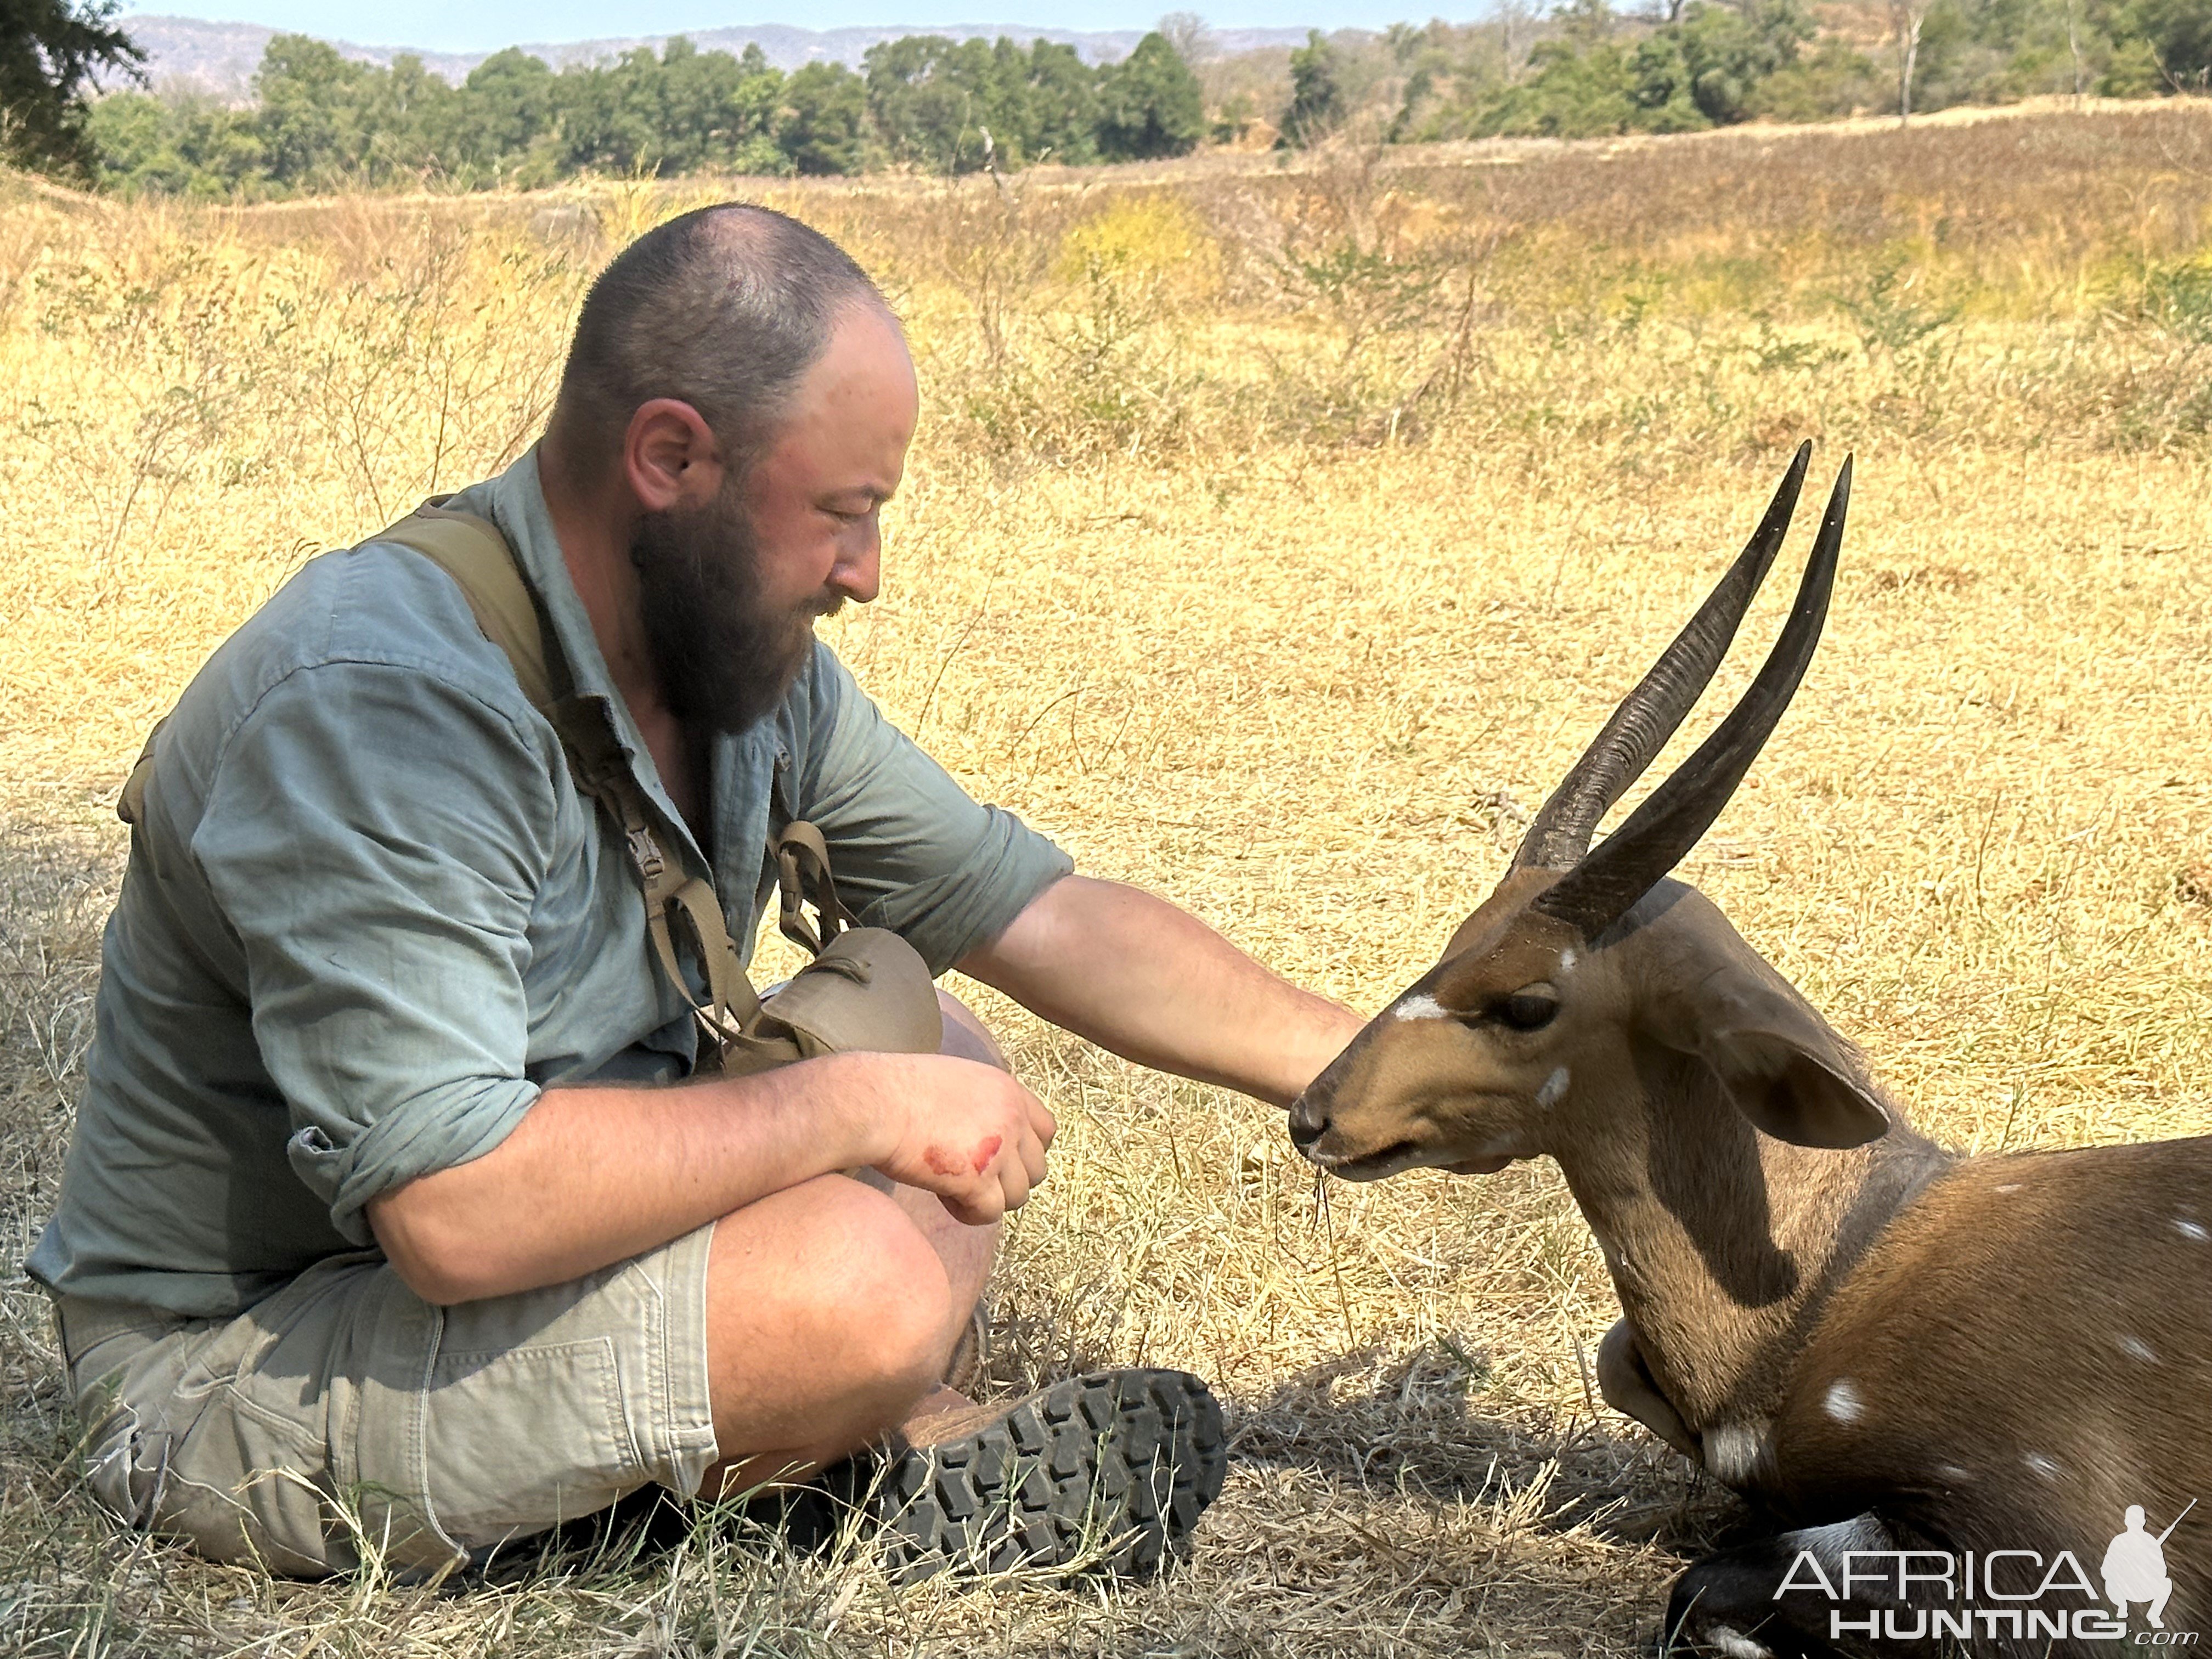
(244, 1484)
(173, 1445)
(517, 1441)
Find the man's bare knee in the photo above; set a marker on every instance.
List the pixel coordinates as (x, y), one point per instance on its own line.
(838, 1276)
(829, 1317)
(966, 1036)
(897, 1294)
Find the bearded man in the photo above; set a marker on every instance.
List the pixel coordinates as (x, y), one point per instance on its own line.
(399, 1207)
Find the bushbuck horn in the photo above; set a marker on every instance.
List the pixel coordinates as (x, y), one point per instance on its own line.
(1599, 890)
(1647, 717)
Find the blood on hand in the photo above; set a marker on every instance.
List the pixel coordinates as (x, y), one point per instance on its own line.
(948, 1164)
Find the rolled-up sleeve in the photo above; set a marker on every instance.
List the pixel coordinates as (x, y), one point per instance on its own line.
(375, 839)
(912, 850)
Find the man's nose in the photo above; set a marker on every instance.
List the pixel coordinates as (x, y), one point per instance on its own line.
(860, 577)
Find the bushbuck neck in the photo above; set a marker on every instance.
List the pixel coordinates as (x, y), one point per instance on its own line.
(1722, 1241)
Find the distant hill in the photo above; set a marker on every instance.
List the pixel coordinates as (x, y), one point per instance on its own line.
(222, 58)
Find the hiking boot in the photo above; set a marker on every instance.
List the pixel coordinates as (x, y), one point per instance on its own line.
(1109, 1471)
(963, 1371)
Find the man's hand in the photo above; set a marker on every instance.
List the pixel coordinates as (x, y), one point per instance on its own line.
(969, 1133)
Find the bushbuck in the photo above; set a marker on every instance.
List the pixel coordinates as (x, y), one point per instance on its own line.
(1953, 1379)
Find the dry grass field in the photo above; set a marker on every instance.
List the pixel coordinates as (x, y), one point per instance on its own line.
(1275, 537)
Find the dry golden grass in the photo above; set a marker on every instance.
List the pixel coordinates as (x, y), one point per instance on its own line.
(1275, 537)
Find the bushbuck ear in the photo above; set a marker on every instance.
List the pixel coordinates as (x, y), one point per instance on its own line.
(1783, 1067)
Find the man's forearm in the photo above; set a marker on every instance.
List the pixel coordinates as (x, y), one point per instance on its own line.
(1154, 984)
(592, 1176)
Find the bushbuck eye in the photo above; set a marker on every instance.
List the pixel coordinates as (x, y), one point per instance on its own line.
(1530, 1008)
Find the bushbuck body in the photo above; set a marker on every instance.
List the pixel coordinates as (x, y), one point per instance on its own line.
(1915, 1361)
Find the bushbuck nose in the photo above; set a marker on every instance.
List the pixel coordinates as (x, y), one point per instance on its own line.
(1309, 1121)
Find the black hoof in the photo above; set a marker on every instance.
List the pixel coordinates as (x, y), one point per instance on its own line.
(1726, 1606)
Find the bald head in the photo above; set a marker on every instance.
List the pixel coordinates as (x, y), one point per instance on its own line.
(725, 309)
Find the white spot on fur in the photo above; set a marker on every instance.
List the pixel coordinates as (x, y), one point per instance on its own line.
(2135, 1348)
(1831, 1543)
(1420, 1007)
(1734, 1643)
(1953, 1473)
(2008, 1187)
(1567, 960)
(2191, 1230)
(2046, 1466)
(1842, 1402)
(1733, 1451)
(1554, 1086)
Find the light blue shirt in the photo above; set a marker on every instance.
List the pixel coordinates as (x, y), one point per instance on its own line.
(367, 916)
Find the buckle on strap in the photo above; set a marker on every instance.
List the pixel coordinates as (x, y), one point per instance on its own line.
(644, 851)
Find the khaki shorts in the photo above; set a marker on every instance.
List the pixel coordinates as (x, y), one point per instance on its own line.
(344, 1419)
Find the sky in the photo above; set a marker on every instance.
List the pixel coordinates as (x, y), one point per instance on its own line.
(486, 25)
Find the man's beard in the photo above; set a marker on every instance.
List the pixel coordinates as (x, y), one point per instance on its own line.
(723, 659)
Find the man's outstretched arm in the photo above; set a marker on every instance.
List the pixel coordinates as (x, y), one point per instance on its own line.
(1151, 982)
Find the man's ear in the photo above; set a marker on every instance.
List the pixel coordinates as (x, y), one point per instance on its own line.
(669, 458)
(1782, 1066)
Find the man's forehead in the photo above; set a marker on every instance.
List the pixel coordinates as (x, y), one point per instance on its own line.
(865, 341)
(855, 409)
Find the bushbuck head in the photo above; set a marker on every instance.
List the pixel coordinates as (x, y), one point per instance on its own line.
(1589, 981)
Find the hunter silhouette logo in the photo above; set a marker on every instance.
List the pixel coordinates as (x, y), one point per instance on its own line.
(2134, 1567)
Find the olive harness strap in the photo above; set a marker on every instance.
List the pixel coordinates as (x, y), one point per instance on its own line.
(473, 552)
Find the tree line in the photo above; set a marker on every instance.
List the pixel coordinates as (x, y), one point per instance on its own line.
(319, 121)
(1587, 70)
